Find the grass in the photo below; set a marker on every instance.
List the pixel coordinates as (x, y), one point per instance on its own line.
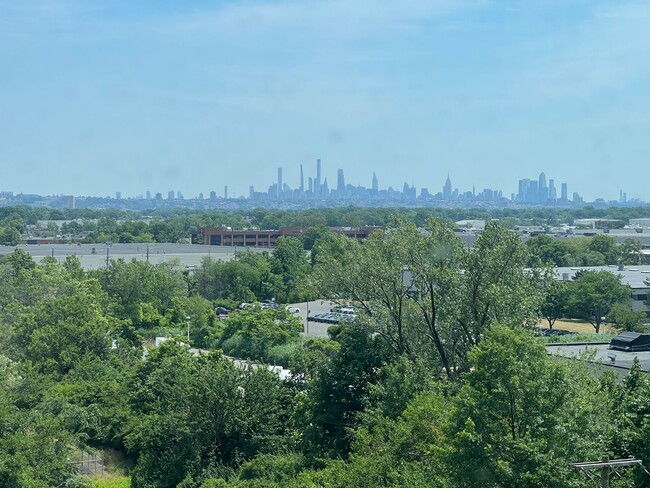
(579, 326)
(111, 481)
(572, 338)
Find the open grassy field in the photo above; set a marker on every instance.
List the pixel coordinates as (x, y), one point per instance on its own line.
(579, 326)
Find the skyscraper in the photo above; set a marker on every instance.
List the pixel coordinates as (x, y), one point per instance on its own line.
(340, 182)
(302, 180)
(446, 190)
(552, 191)
(279, 192)
(375, 183)
(225, 192)
(565, 193)
(542, 189)
(317, 181)
(533, 191)
(522, 196)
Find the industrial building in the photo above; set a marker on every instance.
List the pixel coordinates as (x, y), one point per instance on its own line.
(227, 236)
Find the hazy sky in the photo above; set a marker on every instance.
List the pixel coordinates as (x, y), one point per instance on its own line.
(98, 97)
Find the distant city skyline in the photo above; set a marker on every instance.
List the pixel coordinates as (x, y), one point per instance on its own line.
(99, 97)
(530, 191)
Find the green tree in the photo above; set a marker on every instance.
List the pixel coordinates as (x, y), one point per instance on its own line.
(35, 445)
(606, 246)
(58, 332)
(289, 262)
(202, 320)
(624, 318)
(631, 252)
(192, 413)
(522, 417)
(328, 413)
(495, 287)
(251, 332)
(554, 305)
(19, 260)
(425, 294)
(142, 291)
(246, 278)
(592, 295)
(9, 236)
(631, 417)
(72, 266)
(548, 249)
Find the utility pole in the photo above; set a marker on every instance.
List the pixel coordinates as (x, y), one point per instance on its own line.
(107, 260)
(606, 466)
(188, 329)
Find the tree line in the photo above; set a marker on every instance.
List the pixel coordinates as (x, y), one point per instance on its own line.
(174, 225)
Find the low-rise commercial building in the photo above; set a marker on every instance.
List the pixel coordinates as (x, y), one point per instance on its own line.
(227, 236)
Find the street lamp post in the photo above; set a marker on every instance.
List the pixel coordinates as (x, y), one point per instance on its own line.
(187, 318)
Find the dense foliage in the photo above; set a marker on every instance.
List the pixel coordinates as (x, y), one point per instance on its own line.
(438, 383)
(583, 251)
(174, 225)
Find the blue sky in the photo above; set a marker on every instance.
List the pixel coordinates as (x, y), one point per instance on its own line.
(98, 97)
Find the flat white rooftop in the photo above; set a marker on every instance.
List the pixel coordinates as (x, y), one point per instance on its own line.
(93, 256)
(622, 361)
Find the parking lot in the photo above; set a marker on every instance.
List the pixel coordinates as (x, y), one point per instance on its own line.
(311, 328)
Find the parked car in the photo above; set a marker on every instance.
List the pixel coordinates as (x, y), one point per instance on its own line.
(292, 309)
(270, 304)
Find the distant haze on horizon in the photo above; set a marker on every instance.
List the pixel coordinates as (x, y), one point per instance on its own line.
(99, 97)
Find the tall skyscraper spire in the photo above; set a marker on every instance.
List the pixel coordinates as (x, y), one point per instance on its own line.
(317, 181)
(302, 180)
(446, 190)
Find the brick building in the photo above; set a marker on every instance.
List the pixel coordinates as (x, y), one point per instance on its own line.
(226, 236)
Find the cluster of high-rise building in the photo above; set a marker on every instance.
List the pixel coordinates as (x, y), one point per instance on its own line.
(538, 191)
(317, 188)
